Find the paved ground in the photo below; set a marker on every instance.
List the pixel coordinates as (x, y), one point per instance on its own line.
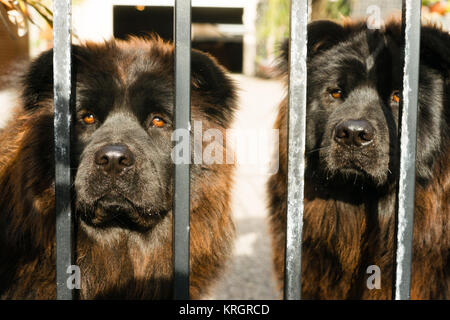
(250, 275)
(7, 100)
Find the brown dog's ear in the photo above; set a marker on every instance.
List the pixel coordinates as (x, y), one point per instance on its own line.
(211, 80)
(210, 77)
(38, 81)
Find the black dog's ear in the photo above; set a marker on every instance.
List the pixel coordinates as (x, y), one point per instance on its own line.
(434, 45)
(322, 35)
(435, 48)
(38, 81)
(209, 78)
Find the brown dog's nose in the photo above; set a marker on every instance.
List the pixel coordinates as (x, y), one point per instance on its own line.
(114, 158)
(358, 133)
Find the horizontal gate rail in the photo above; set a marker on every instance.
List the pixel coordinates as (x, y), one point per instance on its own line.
(181, 210)
(408, 125)
(296, 147)
(62, 119)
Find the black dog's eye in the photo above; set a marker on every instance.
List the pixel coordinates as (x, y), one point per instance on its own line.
(158, 122)
(336, 93)
(396, 96)
(88, 118)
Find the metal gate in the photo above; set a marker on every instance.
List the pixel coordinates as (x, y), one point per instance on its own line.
(296, 147)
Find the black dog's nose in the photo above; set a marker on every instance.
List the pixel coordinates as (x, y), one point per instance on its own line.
(358, 133)
(114, 158)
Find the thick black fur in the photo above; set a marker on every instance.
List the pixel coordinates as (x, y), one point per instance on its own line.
(350, 191)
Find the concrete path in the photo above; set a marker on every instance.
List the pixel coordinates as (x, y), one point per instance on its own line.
(8, 100)
(250, 274)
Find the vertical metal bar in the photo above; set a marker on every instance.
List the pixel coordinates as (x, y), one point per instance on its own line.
(62, 97)
(182, 37)
(406, 188)
(296, 147)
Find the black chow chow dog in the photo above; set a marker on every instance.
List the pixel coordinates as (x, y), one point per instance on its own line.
(122, 146)
(354, 93)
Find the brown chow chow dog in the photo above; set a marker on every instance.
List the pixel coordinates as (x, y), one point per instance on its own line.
(122, 168)
(354, 83)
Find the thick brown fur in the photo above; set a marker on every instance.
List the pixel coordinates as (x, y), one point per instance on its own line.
(115, 263)
(349, 228)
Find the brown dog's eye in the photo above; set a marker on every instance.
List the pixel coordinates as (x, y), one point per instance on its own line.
(158, 122)
(88, 118)
(336, 94)
(396, 96)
